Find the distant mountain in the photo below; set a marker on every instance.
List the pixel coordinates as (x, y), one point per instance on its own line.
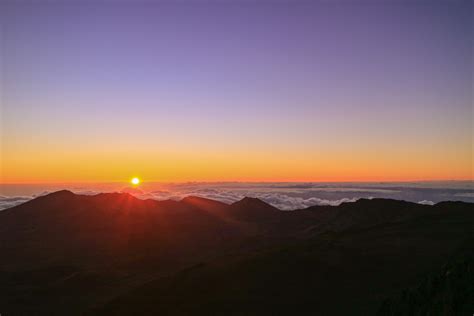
(253, 209)
(115, 254)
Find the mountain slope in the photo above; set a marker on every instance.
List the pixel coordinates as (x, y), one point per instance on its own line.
(114, 254)
(112, 227)
(341, 273)
(447, 292)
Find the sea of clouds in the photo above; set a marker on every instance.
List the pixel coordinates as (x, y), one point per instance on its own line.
(285, 196)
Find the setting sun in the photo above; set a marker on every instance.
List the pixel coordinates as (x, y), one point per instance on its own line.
(135, 181)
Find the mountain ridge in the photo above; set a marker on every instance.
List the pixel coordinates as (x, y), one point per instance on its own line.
(62, 245)
(245, 201)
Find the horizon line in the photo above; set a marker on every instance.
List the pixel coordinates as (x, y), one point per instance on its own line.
(237, 181)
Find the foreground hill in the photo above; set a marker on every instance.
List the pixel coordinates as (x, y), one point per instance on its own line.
(449, 291)
(115, 254)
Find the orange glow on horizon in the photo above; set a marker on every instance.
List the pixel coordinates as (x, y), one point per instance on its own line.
(52, 165)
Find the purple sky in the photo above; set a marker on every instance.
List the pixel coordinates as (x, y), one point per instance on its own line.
(340, 77)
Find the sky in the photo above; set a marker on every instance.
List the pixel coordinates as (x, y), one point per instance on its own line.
(236, 91)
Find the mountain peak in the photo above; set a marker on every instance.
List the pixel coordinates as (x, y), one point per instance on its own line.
(61, 193)
(253, 209)
(54, 196)
(253, 203)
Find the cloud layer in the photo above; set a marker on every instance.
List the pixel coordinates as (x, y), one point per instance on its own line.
(7, 202)
(279, 200)
(285, 196)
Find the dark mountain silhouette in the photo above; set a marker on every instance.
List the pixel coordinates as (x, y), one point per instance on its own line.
(115, 254)
(204, 204)
(253, 209)
(257, 205)
(447, 292)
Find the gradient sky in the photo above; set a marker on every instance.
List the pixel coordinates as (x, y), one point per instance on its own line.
(236, 90)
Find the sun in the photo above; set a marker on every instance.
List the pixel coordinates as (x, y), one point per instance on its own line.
(135, 181)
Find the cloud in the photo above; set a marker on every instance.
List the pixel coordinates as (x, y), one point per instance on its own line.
(279, 200)
(426, 202)
(286, 202)
(132, 191)
(7, 202)
(465, 194)
(285, 196)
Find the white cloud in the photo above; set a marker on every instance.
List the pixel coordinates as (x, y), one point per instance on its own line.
(7, 202)
(426, 202)
(279, 200)
(283, 196)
